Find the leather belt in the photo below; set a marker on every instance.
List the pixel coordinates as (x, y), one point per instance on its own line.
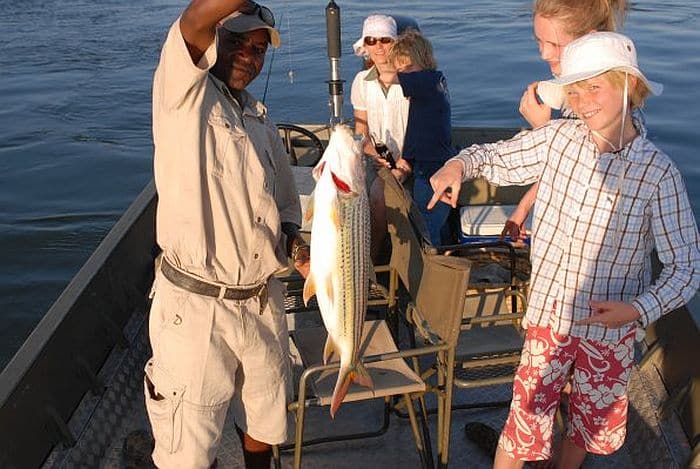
(198, 286)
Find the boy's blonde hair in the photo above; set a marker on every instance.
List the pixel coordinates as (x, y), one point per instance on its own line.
(580, 17)
(414, 47)
(637, 94)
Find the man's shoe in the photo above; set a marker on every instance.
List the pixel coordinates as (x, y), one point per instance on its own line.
(483, 436)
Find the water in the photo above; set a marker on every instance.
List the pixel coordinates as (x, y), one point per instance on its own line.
(75, 77)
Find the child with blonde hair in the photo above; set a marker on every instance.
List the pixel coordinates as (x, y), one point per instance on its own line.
(556, 23)
(428, 140)
(607, 198)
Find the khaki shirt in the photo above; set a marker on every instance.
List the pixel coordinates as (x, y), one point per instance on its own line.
(222, 174)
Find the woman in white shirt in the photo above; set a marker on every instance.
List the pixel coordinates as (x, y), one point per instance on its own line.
(381, 113)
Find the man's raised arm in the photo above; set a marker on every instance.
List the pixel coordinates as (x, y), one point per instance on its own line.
(199, 20)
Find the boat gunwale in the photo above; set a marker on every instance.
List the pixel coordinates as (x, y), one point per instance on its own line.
(26, 392)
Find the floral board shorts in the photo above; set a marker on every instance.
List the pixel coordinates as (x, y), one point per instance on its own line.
(599, 373)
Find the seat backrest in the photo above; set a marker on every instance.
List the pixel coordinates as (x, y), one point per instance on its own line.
(498, 282)
(436, 283)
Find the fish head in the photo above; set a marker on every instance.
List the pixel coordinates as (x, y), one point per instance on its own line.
(343, 161)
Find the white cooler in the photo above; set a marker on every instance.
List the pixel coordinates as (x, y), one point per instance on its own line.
(485, 220)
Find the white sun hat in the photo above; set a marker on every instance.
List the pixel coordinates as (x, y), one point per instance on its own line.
(589, 56)
(375, 26)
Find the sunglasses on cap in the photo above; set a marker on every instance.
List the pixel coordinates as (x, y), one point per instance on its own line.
(370, 41)
(263, 12)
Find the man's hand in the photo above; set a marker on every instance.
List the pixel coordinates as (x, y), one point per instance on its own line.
(446, 183)
(612, 314)
(534, 112)
(297, 249)
(302, 260)
(198, 23)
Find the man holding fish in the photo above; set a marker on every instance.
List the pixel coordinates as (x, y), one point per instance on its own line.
(227, 219)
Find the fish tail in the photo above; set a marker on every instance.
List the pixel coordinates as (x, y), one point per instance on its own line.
(357, 374)
(362, 376)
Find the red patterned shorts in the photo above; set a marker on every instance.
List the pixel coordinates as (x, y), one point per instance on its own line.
(599, 373)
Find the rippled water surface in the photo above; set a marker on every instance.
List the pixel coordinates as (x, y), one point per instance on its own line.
(75, 77)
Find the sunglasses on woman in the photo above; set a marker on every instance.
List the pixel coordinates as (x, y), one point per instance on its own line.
(370, 41)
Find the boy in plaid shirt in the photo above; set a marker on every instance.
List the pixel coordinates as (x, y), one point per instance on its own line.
(607, 198)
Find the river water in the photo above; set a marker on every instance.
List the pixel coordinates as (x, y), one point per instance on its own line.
(75, 77)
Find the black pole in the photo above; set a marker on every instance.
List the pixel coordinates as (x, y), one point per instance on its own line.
(335, 84)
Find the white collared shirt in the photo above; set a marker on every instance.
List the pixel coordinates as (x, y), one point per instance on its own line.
(387, 109)
(584, 245)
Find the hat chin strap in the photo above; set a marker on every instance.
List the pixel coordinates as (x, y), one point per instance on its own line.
(623, 171)
(624, 110)
(625, 103)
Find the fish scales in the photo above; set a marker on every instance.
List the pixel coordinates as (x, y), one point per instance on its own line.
(354, 238)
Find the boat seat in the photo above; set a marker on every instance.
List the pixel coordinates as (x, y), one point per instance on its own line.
(390, 377)
(436, 286)
(491, 338)
(393, 380)
(488, 341)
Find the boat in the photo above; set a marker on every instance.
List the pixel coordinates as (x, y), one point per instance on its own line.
(74, 390)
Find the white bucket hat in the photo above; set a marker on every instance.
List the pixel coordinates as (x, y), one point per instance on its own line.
(375, 26)
(260, 17)
(589, 56)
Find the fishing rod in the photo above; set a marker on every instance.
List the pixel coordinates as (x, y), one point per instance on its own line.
(335, 84)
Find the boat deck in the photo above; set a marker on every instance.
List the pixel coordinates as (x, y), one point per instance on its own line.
(101, 424)
(655, 436)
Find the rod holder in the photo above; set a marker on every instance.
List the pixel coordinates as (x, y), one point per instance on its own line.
(335, 84)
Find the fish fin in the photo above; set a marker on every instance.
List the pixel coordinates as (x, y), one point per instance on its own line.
(309, 289)
(328, 350)
(329, 290)
(341, 389)
(335, 218)
(372, 276)
(362, 376)
(357, 374)
(309, 214)
(318, 169)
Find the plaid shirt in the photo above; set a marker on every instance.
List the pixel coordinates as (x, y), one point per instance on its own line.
(596, 221)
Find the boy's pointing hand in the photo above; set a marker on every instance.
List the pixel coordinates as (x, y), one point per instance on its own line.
(446, 183)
